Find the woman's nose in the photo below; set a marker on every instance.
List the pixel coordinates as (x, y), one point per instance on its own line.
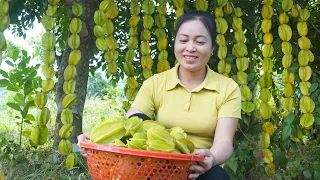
(190, 47)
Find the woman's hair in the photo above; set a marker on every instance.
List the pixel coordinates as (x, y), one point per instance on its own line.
(206, 20)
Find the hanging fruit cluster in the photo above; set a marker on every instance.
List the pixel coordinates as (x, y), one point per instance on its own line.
(162, 43)
(201, 5)
(148, 7)
(228, 8)
(240, 51)
(66, 131)
(132, 84)
(4, 22)
(144, 135)
(179, 9)
(224, 67)
(103, 30)
(305, 56)
(285, 34)
(39, 133)
(265, 83)
(179, 5)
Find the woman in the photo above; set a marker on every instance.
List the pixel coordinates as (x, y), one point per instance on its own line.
(205, 104)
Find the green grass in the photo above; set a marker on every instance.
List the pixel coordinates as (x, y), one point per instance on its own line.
(50, 168)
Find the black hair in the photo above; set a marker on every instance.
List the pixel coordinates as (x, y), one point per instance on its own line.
(204, 17)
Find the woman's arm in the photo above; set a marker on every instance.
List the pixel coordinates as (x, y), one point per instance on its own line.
(132, 111)
(223, 140)
(221, 150)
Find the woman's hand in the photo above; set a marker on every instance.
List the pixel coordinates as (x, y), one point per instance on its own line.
(202, 166)
(83, 137)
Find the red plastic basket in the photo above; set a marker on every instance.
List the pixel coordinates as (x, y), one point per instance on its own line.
(117, 163)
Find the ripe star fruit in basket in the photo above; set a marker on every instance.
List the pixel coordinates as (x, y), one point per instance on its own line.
(145, 125)
(144, 135)
(138, 141)
(132, 125)
(107, 132)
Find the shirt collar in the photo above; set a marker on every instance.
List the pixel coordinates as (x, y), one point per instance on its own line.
(211, 81)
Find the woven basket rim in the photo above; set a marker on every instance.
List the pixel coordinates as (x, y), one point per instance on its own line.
(142, 153)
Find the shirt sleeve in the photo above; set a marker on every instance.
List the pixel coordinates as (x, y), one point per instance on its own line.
(231, 106)
(144, 100)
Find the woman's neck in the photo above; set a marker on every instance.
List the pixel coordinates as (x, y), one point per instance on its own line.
(191, 79)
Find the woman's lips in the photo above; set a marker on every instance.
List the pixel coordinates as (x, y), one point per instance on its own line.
(190, 58)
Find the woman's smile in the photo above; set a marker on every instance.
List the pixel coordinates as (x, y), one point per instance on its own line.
(193, 46)
(190, 58)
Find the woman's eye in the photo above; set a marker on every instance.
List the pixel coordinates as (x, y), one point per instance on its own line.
(201, 42)
(183, 41)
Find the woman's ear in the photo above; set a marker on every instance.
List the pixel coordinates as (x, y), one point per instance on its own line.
(213, 48)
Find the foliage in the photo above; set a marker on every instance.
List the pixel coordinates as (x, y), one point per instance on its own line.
(22, 80)
(24, 162)
(98, 85)
(290, 157)
(99, 109)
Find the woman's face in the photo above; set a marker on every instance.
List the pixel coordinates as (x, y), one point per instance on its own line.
(193, 46)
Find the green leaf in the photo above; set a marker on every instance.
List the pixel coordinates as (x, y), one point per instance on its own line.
(13, 88)
(10, 50)
(26, 108)
(14, 106)
(317, 120)
(27, 121)
(246, 119)
(9, 63)
(278, 176)
(4, 83)
(230, 58)
(314, 95)
(286, 132)
(31, 75)
(30, 117)
(19, 99)
(292, 69)
(15, 54)
(17, 76)
(24, 53)
(250, 77)
(307, 174)
(233, 164)
(25, 111)
(30, 103)
(294, 165)
(27, 87)
(316, 167)
(280, 159)
(290, 118)
(316, 175)
(104, 67)
(4, 73)
(313, 87)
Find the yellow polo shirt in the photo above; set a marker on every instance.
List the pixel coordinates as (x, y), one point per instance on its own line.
(196, 111)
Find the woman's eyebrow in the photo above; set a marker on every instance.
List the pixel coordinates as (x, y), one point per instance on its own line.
(196, 36)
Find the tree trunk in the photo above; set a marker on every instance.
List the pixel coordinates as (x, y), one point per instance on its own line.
(86, 47)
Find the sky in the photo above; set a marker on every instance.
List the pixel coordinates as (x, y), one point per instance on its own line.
(36, 31)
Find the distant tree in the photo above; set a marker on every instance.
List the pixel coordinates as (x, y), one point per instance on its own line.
(97, 85)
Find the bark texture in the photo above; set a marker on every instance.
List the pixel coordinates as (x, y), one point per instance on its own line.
(86, 47)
